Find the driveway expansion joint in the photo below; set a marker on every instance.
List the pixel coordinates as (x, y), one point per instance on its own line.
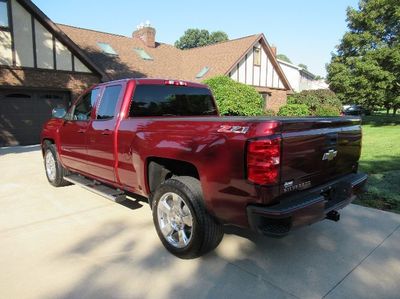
(53, 219)
(262, 278)
(367, 256)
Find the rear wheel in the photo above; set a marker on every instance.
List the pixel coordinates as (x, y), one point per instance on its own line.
(184, 226)
(54, 170)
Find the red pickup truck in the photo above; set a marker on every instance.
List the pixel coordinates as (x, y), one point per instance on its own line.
(165, 141)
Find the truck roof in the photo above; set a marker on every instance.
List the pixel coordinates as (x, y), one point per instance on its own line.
(156, 81)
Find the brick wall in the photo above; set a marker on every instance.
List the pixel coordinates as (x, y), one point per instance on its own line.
(277, 99)
(47, 79)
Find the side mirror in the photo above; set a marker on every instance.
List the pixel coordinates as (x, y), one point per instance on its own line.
(58, 112)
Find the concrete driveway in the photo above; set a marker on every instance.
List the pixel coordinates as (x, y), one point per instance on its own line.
(70, 243)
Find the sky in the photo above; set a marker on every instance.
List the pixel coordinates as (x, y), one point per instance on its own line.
(306, 31)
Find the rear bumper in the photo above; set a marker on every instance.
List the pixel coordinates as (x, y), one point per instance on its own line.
(305, 207)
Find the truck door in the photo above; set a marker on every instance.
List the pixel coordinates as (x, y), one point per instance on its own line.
(73, 151)
(101, 133)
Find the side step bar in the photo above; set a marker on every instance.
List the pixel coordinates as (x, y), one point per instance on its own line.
(96, 187)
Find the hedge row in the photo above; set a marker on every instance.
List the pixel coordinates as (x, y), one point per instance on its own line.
(320, 102)
(234, 98)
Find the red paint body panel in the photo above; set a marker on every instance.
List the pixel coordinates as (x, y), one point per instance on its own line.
(117, 151)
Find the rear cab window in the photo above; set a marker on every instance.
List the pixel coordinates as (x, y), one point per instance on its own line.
(171, 100)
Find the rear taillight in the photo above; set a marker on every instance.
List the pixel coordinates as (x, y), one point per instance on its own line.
(263, 159)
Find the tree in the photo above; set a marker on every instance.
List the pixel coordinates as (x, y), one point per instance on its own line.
(366, 66)
(218, 36)
(283, 57)
(234, 98)
(317, 100)
(303, 66)
(193, 38)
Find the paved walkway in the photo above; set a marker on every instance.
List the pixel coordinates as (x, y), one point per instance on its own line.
(70, 243)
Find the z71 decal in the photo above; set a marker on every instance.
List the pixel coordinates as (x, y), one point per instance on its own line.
(233, 129)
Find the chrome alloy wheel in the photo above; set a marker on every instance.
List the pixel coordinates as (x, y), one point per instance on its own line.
(50, 164)
(175, 219)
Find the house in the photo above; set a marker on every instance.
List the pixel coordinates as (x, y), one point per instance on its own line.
(45, 65)
(249, 60)
(40, 68)
(300, 78)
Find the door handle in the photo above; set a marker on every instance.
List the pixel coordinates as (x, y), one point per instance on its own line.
(106, 132)
(82, 131)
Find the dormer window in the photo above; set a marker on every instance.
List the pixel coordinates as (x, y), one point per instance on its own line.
(203, 71)
(143, 54)
(256, 56)
(106, 48)
(4, 23)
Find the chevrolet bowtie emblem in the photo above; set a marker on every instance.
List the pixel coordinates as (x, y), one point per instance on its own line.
(330, 155)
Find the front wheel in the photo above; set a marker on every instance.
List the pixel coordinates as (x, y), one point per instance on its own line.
(181, 220)
(54, 170)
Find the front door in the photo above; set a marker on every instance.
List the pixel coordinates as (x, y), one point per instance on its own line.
(73, 139)
(101, 134)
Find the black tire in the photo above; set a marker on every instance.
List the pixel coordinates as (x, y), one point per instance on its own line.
(206, 231)
(60, 171)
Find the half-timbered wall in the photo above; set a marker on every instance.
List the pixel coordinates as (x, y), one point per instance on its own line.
(25, 42)
(251, 73)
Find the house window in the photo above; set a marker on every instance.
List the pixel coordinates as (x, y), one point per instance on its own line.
(266, 97)
(4, 14)
(203, 71)
(143, 54)
(256, 56)
(18, 95)
(106, 48)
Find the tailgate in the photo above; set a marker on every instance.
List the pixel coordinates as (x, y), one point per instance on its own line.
(316, 150)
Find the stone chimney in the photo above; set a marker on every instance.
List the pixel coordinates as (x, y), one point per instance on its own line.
(146, 33)
(273, 50)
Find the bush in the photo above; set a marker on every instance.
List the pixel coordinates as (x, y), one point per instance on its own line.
(234, 98)
(316, 98)
(327, 110)
(269, 112)
(294, 110)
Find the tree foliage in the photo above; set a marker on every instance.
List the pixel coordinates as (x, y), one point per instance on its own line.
(366, 67)
(193, 38)
(269, 112)
(217, 36)
(294, 110)
(283, 57)
(315, 99)
(327, 110)
(234, 98)
(303, 66)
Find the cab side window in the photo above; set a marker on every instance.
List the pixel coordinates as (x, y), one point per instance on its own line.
(84, 107)
(109, 102)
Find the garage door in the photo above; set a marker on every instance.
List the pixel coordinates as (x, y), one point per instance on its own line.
(23, 113)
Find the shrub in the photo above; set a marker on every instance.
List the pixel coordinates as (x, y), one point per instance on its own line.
(316, 98)
(327, 110)
(294, 110)
(234, 98)
(269, 112)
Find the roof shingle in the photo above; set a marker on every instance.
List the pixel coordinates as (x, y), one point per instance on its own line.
(168, 62)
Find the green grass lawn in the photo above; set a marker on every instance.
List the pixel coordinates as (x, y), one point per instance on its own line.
(380, 158)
